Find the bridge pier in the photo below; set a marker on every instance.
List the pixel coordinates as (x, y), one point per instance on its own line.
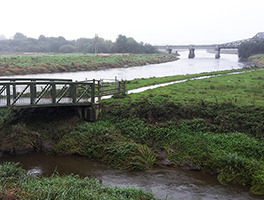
(217, 52)
(90, 113)
(191, 52)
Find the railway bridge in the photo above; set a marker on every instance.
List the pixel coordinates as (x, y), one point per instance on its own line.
(85, 96)
(216, 47)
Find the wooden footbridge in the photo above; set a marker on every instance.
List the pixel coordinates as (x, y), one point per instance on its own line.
(32, 93)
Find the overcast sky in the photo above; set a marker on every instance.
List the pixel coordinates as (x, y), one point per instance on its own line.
(158, 22)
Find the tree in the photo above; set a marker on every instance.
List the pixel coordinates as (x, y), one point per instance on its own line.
(120, 45)
(250, 48)
(68, 48)
(19, 36)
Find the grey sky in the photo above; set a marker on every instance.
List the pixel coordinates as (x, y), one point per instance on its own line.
(155, 22)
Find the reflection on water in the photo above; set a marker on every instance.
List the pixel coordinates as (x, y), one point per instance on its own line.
(164, 182)
(203, 62)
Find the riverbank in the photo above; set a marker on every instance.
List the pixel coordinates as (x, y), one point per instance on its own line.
(213, 125)
(22, 64)
(257, 59)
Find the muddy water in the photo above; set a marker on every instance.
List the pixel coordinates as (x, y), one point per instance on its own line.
(164, 182)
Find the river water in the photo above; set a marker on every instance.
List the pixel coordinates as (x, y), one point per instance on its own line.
(203, 62)
(164, 182)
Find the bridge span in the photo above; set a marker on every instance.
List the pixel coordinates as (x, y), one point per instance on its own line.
(31, 93)
(191, 48)
(217, 47)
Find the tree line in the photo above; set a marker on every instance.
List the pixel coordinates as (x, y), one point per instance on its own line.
(250, 48)
(123, 44)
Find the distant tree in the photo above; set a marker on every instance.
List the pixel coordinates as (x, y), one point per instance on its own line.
(149, 49)
(120, 45)
(247, 49)
(32, 48)
(42, 38)
(67, 48)
(133, 46)
(19, 36)
(21, 43)
(82, 44)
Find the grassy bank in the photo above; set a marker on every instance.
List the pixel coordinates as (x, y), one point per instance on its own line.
(258, 59)
(142, 82)
(16, 184)
(51, 63)
(214, 125)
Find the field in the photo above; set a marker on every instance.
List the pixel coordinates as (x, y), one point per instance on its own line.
(11, 64)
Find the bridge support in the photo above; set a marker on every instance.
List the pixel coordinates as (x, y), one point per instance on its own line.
(90, 113)
(217, 52)
(191, 52)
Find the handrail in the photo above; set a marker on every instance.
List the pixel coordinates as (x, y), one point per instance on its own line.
(34, 79)
(55, 92)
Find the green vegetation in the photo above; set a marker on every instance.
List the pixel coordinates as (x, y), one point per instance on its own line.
(50, 63)
(142, 82)
(102, 141)
(123, 44)
(16, 184)
(247, 49)
(258, 59)
(214, 125)
(243, 89)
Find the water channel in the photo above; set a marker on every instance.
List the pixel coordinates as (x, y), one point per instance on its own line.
(164, 182)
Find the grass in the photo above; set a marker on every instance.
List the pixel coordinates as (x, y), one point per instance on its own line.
(50, 63)
(214, 124)
(239, 89)
(258, 59)
(142, 82)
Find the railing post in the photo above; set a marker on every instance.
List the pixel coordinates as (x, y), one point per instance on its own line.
(14, 89)
(32, 92)
(8, 95)
(73, 91)
(124, 87)
(99, 91)
(92, 91)
(53, 92)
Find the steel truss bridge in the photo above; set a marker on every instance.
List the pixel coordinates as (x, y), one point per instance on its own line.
(216, 47)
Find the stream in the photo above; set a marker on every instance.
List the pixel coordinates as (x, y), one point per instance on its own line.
(164, 182)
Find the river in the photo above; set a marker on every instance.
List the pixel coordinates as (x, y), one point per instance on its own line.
(203, 62)
(164, 182)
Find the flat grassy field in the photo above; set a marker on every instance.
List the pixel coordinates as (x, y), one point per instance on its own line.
(245, 88)
(12, 64)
